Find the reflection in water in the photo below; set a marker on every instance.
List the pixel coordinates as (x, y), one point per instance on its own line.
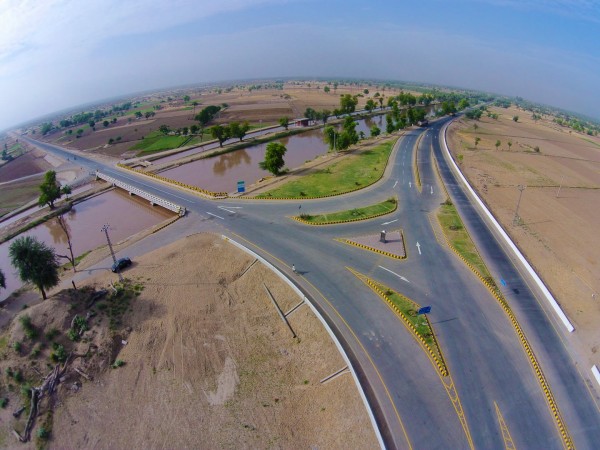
(126, 215)
(229, 160)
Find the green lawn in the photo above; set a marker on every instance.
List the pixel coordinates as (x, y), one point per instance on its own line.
(364, 213)
(156, 142)
(354, 172)
(459, 238)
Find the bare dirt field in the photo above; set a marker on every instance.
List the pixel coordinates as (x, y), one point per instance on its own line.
(558, 230)
(30, 163)
(207, 363)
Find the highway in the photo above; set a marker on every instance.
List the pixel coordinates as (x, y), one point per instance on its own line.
(492, 386)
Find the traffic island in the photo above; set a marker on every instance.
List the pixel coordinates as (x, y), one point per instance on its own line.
(390, 244)
(351, 215)
(418, 324)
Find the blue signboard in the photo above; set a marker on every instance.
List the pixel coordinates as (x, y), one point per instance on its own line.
(424, 310)
(502, 281)
(241, 185)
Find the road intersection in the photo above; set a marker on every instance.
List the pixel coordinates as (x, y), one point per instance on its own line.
(493, 390)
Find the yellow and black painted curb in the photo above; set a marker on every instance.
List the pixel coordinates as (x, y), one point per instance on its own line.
(165, 225)
(375, 250)
(436, 357)
(195, 189)
(416, 172)
(316, 197)
(560, 424)
(336, 222)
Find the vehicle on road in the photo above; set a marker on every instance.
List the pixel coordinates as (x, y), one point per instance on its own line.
(121, 264)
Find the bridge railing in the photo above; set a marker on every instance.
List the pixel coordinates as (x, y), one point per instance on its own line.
(153, 199)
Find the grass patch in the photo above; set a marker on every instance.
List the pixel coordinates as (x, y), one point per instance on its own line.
(364, 213)
(157, 141)
(354, 172)
(459, 238)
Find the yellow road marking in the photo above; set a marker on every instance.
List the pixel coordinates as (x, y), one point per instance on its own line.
(508, 441)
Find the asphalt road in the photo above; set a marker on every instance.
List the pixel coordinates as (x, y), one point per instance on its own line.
(487, 363)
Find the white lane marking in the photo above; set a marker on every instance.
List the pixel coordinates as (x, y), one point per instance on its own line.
(119, 174)
(395, 184)
(410, 184)
(419, 247)
(431, 190)
(391, 221)
(399, 276)
(224, 208)
(219, 217)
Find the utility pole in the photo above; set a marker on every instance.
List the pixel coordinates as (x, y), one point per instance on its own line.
(516, 219)
(112, 252)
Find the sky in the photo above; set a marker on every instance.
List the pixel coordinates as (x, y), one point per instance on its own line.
(56, 54)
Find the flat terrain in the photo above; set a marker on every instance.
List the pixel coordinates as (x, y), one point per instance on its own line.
(558, 230)
(208, 363)
(260, 107)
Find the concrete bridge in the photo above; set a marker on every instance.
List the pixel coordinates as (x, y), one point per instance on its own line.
(153, 199)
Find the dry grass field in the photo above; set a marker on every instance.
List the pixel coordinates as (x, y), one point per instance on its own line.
(558, 230)
(207, 363)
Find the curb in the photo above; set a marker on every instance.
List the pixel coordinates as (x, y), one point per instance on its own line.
(336, 222)
(439, 362)
(567, 441)
(373, 249)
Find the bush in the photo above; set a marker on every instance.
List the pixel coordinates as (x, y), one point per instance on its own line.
(72, 335)
(43, 433)
(118, 363)
(52, 333)
(3, 402)
(17, 346)
(59, 354)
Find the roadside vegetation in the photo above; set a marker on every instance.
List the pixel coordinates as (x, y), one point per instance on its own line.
(357, 171)
(367, 212)
(459, 239)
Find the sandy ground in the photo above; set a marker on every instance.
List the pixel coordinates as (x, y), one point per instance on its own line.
(209, 364)
(558, 231)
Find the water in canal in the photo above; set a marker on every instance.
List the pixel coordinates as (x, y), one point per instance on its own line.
(221, 173)
(125, 214)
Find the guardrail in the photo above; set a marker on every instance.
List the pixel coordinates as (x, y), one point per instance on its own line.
(153, 199)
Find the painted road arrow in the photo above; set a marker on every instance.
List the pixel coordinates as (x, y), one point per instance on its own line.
(419, 247)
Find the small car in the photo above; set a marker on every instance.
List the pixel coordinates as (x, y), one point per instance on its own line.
(121, 264)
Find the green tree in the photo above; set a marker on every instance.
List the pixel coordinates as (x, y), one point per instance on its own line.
(92, 123)
(498, 144)
(50, 190)
(164, 129)
(326, 89)
(138, 115)
(35, 262)
(207, 114)
(464, 103)
(220, 132)
(238, 130)
(515, 118)
(348, 103)
(366, 91)
(194, 129)
(186, 98)
(371, 105)
(46, 128)
(105, 123)
(284, 122)
(325, 115)
(509, 144)
(375, 131)
(477, 139)
(274, 158)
